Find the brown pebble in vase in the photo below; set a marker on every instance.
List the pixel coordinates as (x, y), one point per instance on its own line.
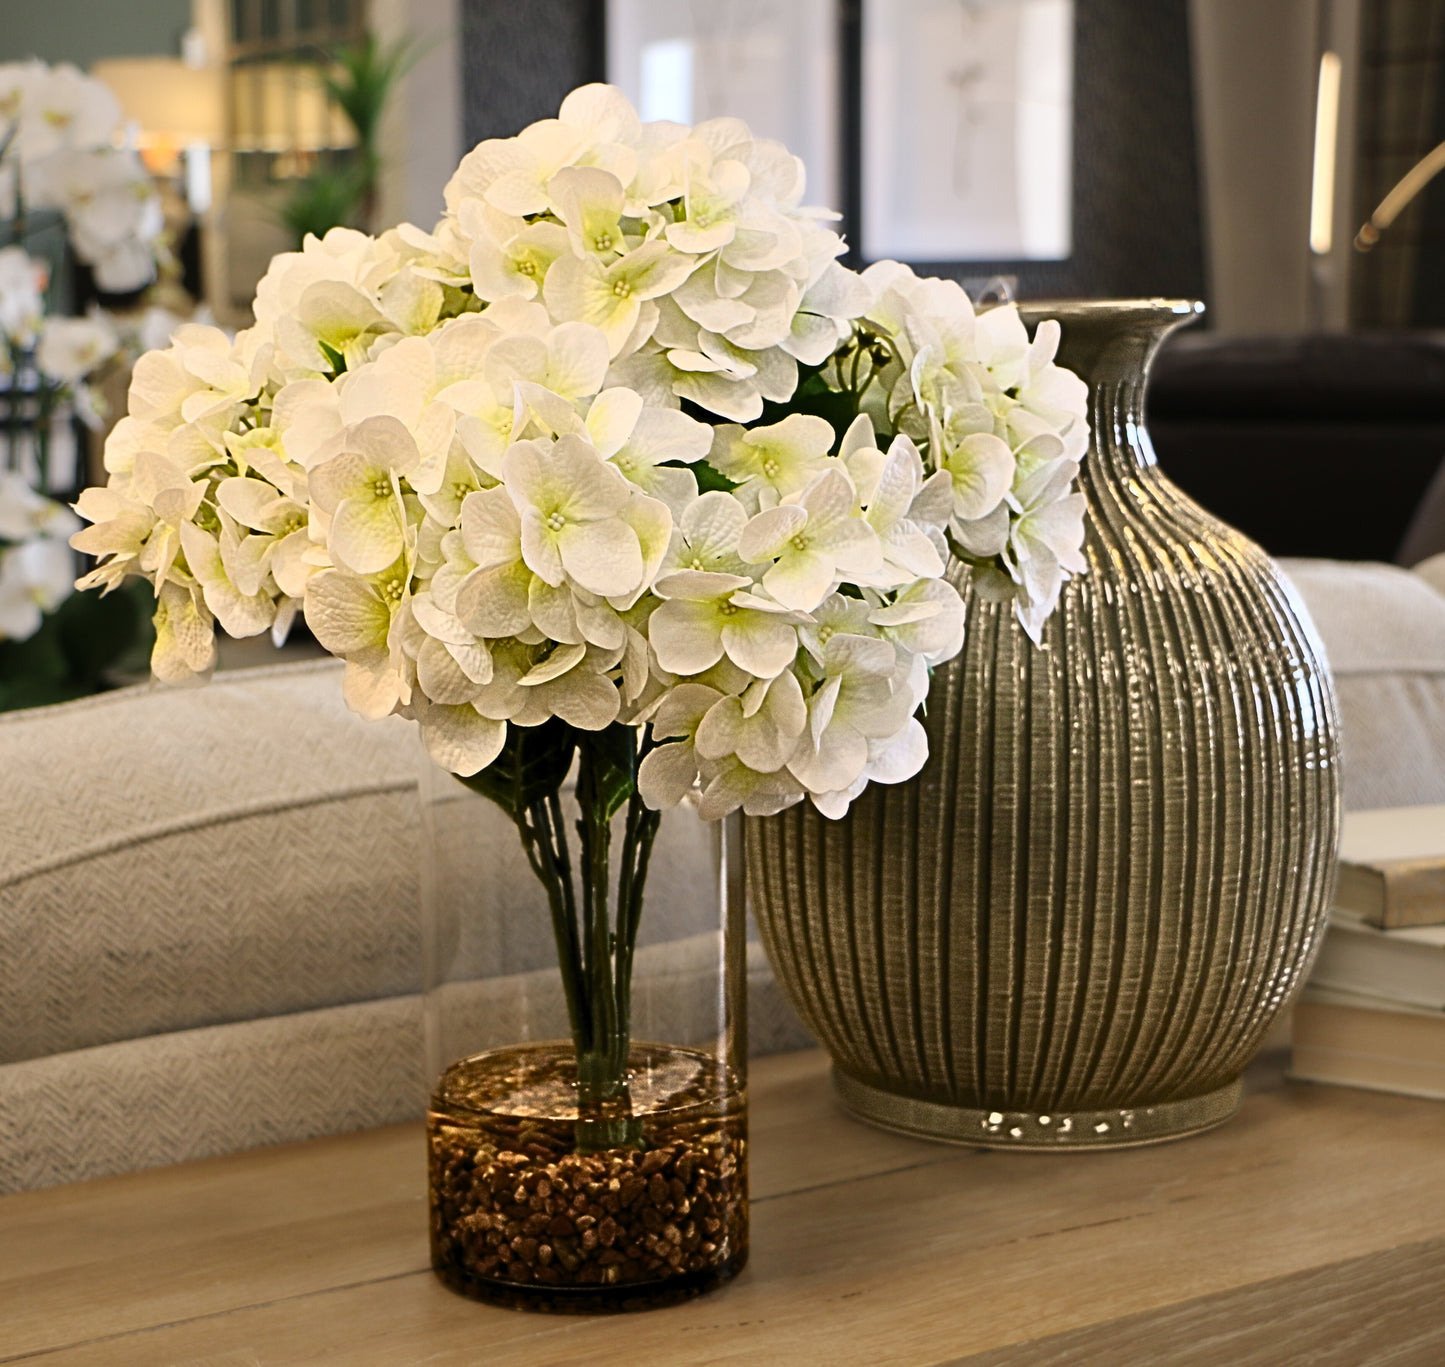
(519, 1218)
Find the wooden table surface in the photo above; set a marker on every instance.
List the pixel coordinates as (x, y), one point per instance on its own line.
(1309, 1230)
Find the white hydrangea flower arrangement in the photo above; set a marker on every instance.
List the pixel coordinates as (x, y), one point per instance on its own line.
(555, 479)
(58, 130)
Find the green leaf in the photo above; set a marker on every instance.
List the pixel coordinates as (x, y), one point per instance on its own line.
(607, 776)
(812, 396)
(532, 766)
(328, 199)
(334, 358)
(709, 477)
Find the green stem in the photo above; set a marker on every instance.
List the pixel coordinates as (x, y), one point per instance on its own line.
(602, 1072)
(534, 826)
(641, 832)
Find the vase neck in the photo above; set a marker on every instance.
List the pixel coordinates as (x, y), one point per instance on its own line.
(1110, 344)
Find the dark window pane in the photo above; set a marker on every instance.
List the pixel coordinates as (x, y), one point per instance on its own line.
(340, 13)
(238, 21)
(270, 18)
(305, 15)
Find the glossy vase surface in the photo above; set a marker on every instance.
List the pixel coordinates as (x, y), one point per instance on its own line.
(1075, 926)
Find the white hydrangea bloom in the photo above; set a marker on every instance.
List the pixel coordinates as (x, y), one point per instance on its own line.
(480, 459)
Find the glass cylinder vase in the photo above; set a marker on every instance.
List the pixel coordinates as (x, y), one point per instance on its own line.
(549, 1191)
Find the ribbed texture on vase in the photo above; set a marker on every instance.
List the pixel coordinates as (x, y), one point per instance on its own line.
(1115, 867)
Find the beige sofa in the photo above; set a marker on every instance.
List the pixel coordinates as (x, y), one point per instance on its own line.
(209, 927)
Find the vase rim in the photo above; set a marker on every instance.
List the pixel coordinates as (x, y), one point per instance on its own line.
(1077, 307)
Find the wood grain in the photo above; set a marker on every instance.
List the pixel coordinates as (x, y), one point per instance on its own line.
(1383, 1310)
(867, 1248)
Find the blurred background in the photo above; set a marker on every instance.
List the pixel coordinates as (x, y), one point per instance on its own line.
(1222, 149)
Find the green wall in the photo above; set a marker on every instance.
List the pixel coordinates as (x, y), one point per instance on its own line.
(81, 31)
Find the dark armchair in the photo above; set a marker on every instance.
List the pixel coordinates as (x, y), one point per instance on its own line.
(1329, 445)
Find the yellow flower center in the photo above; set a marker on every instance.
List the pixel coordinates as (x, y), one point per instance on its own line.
(771, 468)
(602, 242)
(527, 268)
(381, 487)
(555, 522)
(622, 289)
(800, 542)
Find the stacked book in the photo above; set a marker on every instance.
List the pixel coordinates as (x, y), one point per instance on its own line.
(1373, 1013)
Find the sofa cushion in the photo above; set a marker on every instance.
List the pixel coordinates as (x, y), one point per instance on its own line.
(1383, 631)
(182, 858)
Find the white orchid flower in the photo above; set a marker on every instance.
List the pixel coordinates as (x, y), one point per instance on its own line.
(65, 108)
(71, 348)
(22, 295)
(35, 578)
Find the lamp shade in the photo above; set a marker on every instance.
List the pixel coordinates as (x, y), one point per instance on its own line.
(173, 103)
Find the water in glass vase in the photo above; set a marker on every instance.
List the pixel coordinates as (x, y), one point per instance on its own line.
(524, 1215)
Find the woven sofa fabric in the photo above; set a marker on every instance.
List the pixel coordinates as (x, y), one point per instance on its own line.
(175, 859)
(196, 1093)
(1383, 630)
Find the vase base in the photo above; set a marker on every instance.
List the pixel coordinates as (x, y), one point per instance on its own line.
(1039, 1132)
(592, 1300)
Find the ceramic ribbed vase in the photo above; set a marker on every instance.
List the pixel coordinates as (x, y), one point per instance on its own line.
(1075, 925)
